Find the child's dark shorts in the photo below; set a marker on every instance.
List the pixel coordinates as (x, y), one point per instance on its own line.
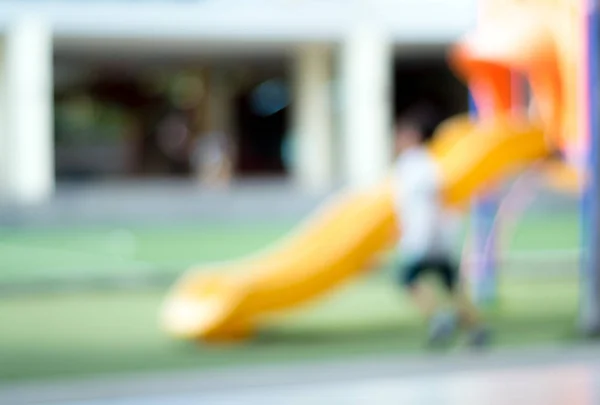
(443, 267)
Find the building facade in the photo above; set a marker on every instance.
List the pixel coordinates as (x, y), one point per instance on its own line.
(336, 57)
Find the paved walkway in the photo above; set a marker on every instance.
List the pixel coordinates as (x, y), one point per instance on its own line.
(544, 376)
(167, 201)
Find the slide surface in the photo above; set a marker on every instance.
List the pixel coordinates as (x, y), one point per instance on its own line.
(227, 301)
(338, 242)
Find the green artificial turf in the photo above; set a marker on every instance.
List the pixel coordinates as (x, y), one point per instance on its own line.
(81, 334)
(33, 255)
(61, 254)
(78, 334)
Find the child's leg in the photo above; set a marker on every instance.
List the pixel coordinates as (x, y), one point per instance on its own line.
(468, 314)
(442, 323)
(478, 332)
(448, 271)
(421, 294)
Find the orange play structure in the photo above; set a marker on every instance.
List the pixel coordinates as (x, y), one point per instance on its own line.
(537, 39)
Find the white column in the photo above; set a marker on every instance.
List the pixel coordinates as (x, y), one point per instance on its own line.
(312, 118)
(220, 106)
(366, 75)
(26, 138)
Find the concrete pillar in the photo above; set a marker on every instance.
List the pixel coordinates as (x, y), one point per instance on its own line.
(216, 152)
(220, 114)
(366, 116)
(312, 129)
(26, 137)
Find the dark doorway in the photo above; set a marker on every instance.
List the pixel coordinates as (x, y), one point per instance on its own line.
(262, 121)
(428, 79)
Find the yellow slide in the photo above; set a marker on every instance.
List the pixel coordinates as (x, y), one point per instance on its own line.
(228, 301)
(563, 178)
(225, 301)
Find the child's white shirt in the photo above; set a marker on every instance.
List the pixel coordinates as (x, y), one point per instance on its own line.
(426, 226)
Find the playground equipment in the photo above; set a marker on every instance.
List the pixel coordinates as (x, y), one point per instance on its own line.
(537, 39)
(570, 30)
(502, 222)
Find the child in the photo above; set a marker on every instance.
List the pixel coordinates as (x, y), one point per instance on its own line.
(428, 232)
